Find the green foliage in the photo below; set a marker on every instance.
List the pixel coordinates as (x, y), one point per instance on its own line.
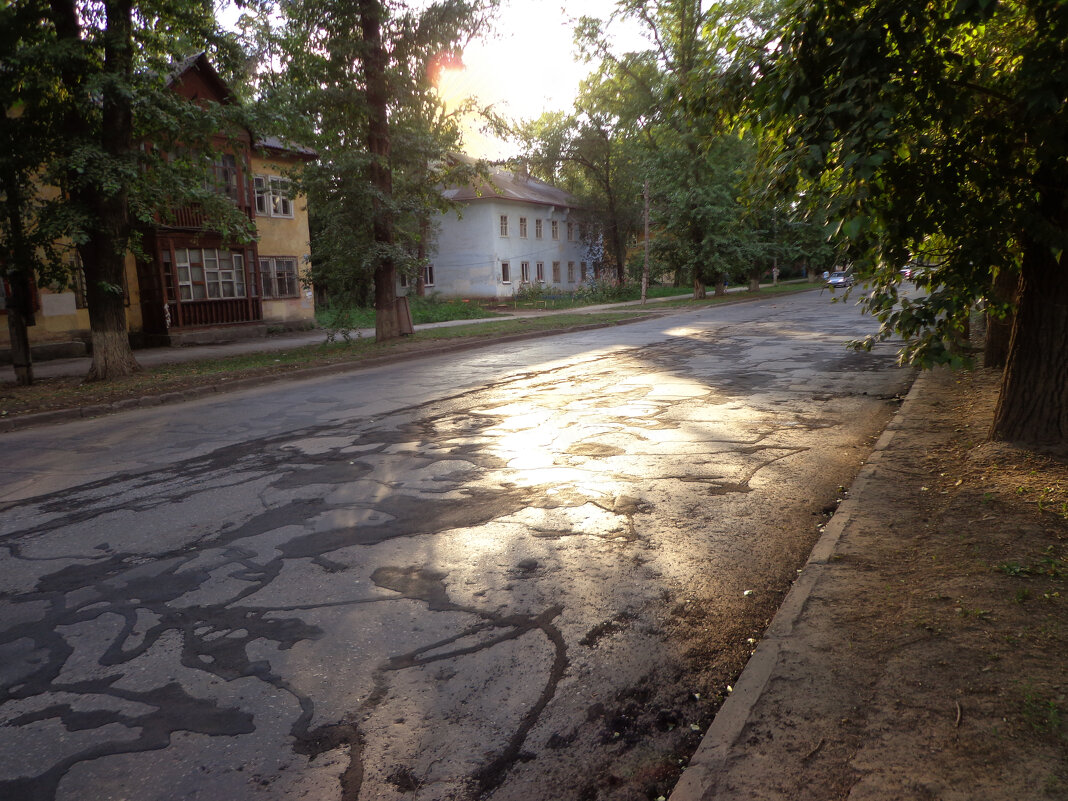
(95, 145)
(938, 131)
(928, 128)
(321, 89)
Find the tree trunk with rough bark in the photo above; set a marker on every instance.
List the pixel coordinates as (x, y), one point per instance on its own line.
(699, 292)
(1033, 405)
(999, 329)
(19, 319)
(721, 285)
(387, 326)
(20, 300)
(104, 252)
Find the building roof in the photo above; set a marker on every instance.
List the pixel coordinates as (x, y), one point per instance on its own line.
(503, 184)
(286, 147)
(198, 62)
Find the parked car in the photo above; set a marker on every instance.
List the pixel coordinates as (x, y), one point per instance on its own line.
(839, 280)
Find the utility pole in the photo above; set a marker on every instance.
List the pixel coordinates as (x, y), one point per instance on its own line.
(645, 267)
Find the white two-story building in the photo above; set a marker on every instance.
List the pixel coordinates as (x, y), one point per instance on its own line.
(510, 230)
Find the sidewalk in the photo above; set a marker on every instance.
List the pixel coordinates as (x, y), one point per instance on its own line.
(920, 652)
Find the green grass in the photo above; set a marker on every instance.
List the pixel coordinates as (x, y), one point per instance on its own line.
(431, 309)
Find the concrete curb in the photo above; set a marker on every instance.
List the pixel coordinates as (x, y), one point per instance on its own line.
(700, 780)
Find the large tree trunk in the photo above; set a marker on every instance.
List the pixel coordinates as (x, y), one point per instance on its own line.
(699, 292)
(721, 285)
(20, 300)
(104, 254)
(19, 319)
(387, 326)
(1033, 405)
(999, 329)
(104, 270)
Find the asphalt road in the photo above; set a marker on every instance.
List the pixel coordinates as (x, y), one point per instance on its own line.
(524, 572)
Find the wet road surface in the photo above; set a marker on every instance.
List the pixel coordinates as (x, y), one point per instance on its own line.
(525, 572)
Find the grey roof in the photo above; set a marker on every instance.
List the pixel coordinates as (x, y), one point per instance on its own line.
(508, 185)
(285, 146)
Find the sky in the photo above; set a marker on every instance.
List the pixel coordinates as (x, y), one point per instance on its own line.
(528, 67)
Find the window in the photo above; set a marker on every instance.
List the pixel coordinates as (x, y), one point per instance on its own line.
(554, 228)
(279, 276)
(223, 175)
(273, 196)
(582, 271)
(539, 272)
(524, 272)
(522, 227)
(505, 275)
(504, 225)
(537, 229)
(556, 272)
(570, 232)
(205, 273)
(428, 276)
(571, 272)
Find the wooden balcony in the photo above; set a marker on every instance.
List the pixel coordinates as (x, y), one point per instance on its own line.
(217, 311)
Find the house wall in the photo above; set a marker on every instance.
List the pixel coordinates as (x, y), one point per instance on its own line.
(285, 237)
(470, 249)
(58, 318)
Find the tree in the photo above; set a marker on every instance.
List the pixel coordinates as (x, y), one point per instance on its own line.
(358, 82)
(112, 149)
(595, 153)
(26, 247)
(939, 129)
(695, 155)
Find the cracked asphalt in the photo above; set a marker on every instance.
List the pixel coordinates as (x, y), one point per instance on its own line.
(523, 572)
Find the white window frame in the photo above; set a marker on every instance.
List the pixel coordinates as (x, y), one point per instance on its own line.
(522, 227)
(571, 272)
(273, 196)
(538, 228)
(556, 272)
(209, 274)
(524, 272)
(506, 274)
(554, 227)
(570, 232)
(270, 276)
(504, 225)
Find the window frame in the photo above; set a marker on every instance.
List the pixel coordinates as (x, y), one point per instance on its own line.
(272, 196)
(554, 227)
(556, 272)
(524, 272)
(522, 227)
(504, 225)
(506, 273)
(539, 228)
(269, 278)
